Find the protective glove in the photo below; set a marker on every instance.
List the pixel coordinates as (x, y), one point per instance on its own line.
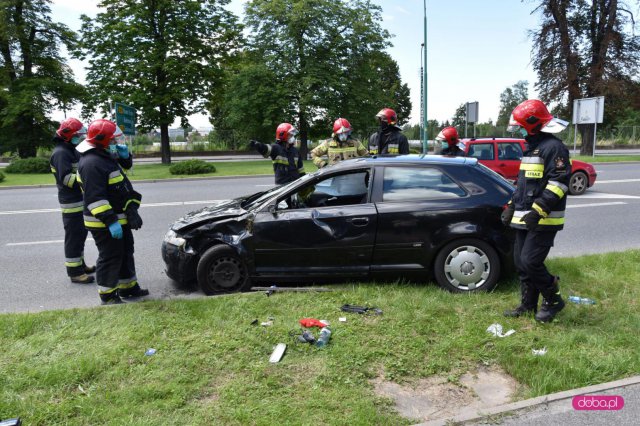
(116, 230)
(133, 218)
(531, 219)
(258, 146)
(123, 151)
(507, 214)
(253, 144)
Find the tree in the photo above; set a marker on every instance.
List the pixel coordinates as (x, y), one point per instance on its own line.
(460, 117)
(316, 49)
(34, 78)
(584, 49)
(162, 57)
(510, 98)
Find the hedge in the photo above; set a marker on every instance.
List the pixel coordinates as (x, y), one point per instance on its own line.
(29, 165)
(191, 167)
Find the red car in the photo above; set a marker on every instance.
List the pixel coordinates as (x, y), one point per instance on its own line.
(503, 156)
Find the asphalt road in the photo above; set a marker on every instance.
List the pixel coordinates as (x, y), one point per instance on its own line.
(33, 278)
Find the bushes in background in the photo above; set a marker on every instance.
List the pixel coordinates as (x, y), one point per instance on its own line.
(1, 176)
(191, 167)
(29, 165)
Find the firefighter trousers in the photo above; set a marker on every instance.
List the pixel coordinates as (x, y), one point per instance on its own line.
(75, 235)
(529, 253)
(115, 268)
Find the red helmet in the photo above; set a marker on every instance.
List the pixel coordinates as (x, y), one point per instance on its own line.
(387, 115)
(449, 134)
(101, 132)
(286, 133)
(69, 128)
(341, 125)
(533, 116)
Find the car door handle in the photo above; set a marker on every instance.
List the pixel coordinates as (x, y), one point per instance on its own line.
(359, 221)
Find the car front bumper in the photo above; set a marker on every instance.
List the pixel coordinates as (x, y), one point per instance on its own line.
(181, 265)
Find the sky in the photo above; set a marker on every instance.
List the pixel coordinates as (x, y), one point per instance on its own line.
(475, 49)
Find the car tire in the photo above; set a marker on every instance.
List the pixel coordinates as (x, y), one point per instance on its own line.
(467, 265)
(221, 270)
(578, 183)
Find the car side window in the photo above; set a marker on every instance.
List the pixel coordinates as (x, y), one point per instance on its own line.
(481, 151)
(509, 151)
(338, 190)
(417, 183)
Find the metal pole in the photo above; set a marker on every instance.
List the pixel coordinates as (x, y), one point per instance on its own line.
(575, 137)
(421, 125)
(425, 147)
(595, 130)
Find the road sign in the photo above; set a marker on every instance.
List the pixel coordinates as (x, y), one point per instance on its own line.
(126, 118)
(588, 110)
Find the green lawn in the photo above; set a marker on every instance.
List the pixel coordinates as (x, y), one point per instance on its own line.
(160, 171)
(606, 158)
(79, 367)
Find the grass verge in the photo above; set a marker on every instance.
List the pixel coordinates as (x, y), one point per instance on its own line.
(161, 171)
(606, 158)
(211, 366)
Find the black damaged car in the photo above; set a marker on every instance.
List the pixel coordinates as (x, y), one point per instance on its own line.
(419, 217)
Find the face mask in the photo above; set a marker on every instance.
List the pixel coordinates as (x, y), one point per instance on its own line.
(291, 141)
(112, 149)
(343, 137)
(75, 140)
(523, 132)
(384, 126)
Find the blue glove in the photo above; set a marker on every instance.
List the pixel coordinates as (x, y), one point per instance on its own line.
(116, 230)
(123, 151)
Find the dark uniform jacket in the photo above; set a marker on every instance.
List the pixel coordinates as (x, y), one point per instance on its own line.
(107, 190)
(390, 142)
(542, 183)
(453, 150)
(287, 163)
(64, 164)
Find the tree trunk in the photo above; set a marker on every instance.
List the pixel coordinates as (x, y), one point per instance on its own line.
(304, 149)
(586, 136)
(165, 148)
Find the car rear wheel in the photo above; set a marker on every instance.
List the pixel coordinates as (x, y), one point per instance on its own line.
(221, 270)
(467, 265)
(578, 183)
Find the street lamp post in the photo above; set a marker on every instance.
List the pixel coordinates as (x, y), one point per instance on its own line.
(425, 147)
(421, 125)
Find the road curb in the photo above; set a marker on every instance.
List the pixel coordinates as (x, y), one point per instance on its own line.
(52, 185)
(527, 403)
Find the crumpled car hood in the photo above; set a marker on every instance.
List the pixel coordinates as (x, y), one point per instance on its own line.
(222, 210)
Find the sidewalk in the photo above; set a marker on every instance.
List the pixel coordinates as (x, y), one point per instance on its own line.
(557, 409)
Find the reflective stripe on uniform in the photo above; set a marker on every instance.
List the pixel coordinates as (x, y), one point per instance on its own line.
(53, 169)
(133, 200)
(557, 188)
(106, 290)
(301, 170)
(72, 207)
(342, 150)
(73, 262)
(127, 283)
(373, 151)
(532, 170)
(281, 160)
(115, 177)
(69, 180)
(99, 206)
(92, 222)
(393, 148)
(554, 218)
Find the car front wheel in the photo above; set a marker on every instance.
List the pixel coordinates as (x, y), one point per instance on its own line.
(221, 270)
(467, 265)
(578, 183)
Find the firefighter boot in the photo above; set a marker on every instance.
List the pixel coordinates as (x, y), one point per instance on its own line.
(111, 298)
(89, 269)
(135, 291)
(552, 303)
(528, 304)
(82, 279)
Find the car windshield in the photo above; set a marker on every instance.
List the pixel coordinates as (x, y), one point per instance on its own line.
(252, 201)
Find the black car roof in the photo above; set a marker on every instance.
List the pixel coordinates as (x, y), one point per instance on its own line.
(405, 159)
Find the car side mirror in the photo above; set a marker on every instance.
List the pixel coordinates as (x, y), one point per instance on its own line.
(272, 208)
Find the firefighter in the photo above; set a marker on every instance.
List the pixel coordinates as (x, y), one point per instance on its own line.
(450, 136)
(110, 212)
(340, 147)
(287, 163)
(537, 207)
(64, 165)
(388, 140)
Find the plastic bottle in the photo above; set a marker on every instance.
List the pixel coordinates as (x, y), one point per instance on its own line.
(581, 300)
(325, 335)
